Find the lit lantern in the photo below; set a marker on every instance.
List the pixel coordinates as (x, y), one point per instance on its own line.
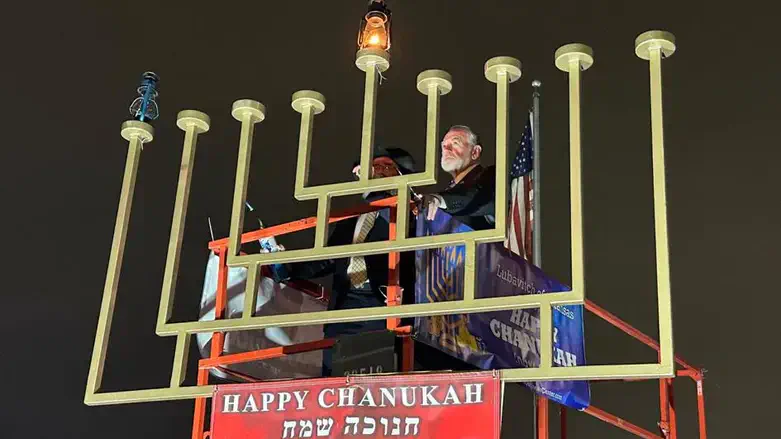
(375, 29)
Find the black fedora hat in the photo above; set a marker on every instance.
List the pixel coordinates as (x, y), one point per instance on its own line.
(400, 157)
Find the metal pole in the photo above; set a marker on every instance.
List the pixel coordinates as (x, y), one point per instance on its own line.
(701, 409)
(540, 403)
(542, 418)
(536, 162)
(563, 419)
(671, 409)
(536, 235)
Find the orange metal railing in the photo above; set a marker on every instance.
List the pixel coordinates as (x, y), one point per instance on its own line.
(217, 360)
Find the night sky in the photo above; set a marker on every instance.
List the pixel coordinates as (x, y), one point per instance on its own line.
(70, 71)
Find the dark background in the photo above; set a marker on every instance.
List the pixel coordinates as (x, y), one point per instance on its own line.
(70, 71)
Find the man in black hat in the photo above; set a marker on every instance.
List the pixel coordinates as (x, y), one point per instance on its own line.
(361, 282)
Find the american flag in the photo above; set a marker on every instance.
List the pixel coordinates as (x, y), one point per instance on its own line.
(519, 228)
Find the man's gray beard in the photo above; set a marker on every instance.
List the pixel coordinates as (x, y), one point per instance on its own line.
(453, 164)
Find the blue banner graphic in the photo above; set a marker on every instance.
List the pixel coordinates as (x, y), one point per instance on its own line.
(502, 339)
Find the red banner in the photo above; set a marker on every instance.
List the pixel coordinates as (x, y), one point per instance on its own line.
(436, 406)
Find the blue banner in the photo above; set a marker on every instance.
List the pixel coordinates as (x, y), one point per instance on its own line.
(502, 339)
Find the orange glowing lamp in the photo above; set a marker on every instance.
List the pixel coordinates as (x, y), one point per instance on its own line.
(375, 29)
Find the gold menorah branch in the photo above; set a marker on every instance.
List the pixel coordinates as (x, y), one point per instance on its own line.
(652, 46)
(572, 58)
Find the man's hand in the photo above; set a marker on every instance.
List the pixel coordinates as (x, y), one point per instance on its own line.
(431, 202)
(278, 248)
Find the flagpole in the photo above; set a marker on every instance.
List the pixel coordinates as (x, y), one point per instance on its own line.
(540, 403)
(536, 223)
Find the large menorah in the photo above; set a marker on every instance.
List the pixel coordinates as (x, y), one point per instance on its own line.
(652, 46)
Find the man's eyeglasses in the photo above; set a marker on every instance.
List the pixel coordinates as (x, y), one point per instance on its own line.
(391, 169)
(384, 167)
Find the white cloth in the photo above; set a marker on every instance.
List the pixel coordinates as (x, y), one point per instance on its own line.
(272, 298)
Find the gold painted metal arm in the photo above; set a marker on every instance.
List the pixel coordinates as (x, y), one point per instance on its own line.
(433, 84)
(434, 92)
(248, 112)
(150, 395)
(591, 373)
(574, 58)
(136, 133)
(653, 46)
(308, 103)
(502, 70)
(368, 248)
(358, 187)
(321, 229)
(373, 62)
(402, 214)
(179, 371)
(470, 270)
(251, 292)
(546, 337)
(376, 313)
(192, 123)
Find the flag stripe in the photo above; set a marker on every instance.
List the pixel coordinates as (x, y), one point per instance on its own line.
(518, 222)
(519, 230)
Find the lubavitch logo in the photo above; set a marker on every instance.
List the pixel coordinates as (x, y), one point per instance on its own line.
(518, 282)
